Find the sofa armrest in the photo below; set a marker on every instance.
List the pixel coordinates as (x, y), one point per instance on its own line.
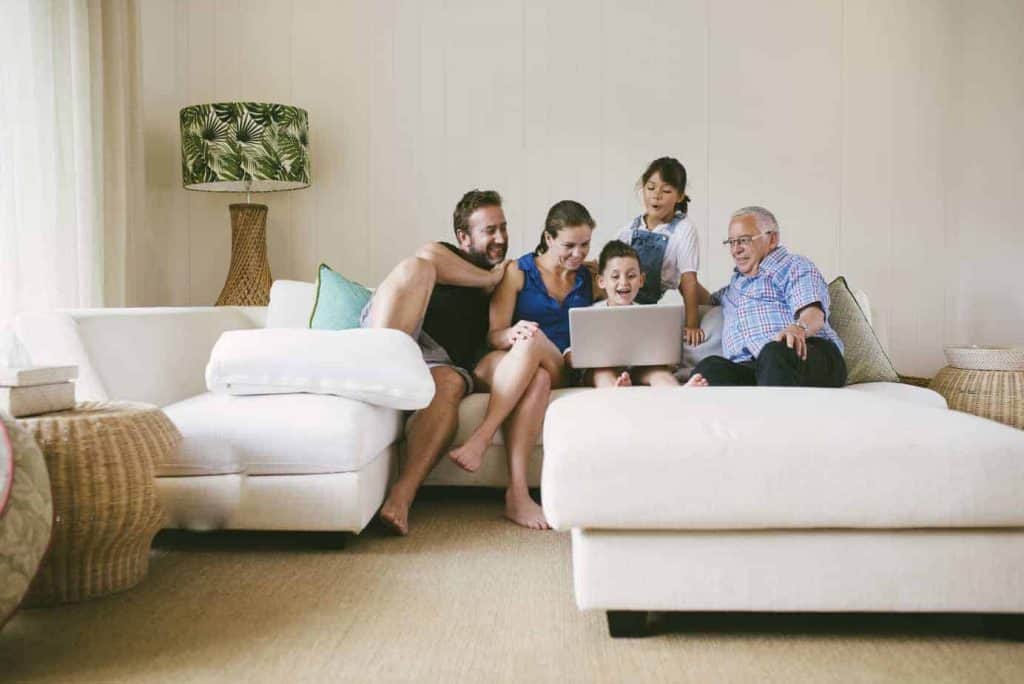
(157, 355)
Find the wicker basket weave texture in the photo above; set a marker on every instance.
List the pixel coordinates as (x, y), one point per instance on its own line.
(101, 458)
(986, 358)
(998, 395)
(248, 281)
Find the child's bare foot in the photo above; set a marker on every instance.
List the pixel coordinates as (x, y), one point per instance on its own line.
(522, 510)
(470, 455)
(624, 380)
(394, 513)
(696, 380)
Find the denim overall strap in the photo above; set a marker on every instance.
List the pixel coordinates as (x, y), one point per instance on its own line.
(650, 247)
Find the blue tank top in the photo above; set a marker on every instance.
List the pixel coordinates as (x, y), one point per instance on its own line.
(535, 304)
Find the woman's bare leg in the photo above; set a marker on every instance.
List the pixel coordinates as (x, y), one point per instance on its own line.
(522, 428)
(507, 376)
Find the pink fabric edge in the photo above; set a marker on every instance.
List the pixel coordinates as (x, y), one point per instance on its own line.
(6, 494)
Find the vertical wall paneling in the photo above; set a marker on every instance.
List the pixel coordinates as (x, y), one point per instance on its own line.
(884, 134)
(653, 102)
(989, 175)
(483, 91)
(209, 223)
(265, 75)
(775, 97)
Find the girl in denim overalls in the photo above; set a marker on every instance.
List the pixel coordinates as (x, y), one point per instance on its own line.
(666, 241)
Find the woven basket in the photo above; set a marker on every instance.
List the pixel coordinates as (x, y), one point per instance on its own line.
(986, 358)
(101, 458)
(998, 395)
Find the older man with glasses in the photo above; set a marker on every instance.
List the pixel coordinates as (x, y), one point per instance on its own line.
(776, 314)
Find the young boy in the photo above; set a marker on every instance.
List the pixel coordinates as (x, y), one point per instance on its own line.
(620, 276)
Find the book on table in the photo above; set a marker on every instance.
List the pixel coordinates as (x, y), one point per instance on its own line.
(36, 375)
(31, 400)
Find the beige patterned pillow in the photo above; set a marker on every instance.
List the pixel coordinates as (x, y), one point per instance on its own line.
(26, 513)
(866, 360)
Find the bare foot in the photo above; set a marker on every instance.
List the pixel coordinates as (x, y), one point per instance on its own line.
(696, 380)
(624, 380)
(470, 455)
(395, 513)
(522, 510)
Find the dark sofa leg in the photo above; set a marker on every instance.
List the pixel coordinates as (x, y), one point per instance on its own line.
(627, 623)
(1006, 625)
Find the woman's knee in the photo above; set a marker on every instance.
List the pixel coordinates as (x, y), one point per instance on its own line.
(536, 345)
(541, 382)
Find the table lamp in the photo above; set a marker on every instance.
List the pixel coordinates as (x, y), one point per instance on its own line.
(245, 147)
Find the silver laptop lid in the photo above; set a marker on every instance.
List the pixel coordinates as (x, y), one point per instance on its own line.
(638, 335)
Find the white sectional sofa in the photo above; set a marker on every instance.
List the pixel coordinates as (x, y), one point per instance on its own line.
(873, 497)
(284, 462)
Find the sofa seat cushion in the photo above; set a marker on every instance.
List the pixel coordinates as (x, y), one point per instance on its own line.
(746, 458)
(897, 391)
(281, 434)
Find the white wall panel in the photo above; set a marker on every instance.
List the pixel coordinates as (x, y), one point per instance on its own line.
(775, 122)
(653, 103)
(885, 135)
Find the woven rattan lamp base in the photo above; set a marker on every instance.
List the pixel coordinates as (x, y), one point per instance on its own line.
(101, 458)
(248, 282)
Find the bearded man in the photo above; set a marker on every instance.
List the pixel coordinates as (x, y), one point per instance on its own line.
(441, 297)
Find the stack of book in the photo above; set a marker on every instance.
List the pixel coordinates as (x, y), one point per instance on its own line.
(37, 389)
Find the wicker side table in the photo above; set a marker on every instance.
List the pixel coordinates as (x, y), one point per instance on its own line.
(101, 458)
(985, 381)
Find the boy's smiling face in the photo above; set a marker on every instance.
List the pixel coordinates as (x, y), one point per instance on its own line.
(621, 280)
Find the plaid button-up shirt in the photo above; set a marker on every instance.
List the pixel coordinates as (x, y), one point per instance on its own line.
(758, 307)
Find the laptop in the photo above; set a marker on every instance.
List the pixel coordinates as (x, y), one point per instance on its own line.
(637, 335)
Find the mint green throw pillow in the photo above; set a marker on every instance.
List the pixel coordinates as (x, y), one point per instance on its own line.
(339, 301)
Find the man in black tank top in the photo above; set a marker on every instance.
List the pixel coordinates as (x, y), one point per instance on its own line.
(441, 297)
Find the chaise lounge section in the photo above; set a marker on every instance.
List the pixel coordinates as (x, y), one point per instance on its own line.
(791, 499)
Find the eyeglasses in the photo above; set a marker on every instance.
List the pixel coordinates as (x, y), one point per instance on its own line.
(745, 240)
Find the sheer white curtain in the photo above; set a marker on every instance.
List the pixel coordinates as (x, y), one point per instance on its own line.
(70, 152)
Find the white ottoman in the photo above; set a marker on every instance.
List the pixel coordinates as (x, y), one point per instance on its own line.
(784, 499)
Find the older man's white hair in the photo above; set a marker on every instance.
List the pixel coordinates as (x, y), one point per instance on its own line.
(763, 219)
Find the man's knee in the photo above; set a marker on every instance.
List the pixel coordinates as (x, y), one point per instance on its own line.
(416, 271)
(778, 365)
(777, 354)
(449, 385)
(711, 364)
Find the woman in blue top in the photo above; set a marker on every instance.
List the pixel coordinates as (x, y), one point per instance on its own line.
(529, 332)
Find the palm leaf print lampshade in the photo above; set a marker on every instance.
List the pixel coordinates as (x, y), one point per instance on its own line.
(244, 147)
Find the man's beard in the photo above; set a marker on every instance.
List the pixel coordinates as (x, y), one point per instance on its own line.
(479, 258)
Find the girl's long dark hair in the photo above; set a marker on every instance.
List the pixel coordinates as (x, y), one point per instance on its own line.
(671, 172)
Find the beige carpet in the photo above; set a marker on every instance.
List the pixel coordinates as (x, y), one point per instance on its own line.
(467, 597)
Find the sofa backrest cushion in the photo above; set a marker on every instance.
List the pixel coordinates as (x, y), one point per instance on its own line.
(291, 302)
(156, 355)
(866, 360)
